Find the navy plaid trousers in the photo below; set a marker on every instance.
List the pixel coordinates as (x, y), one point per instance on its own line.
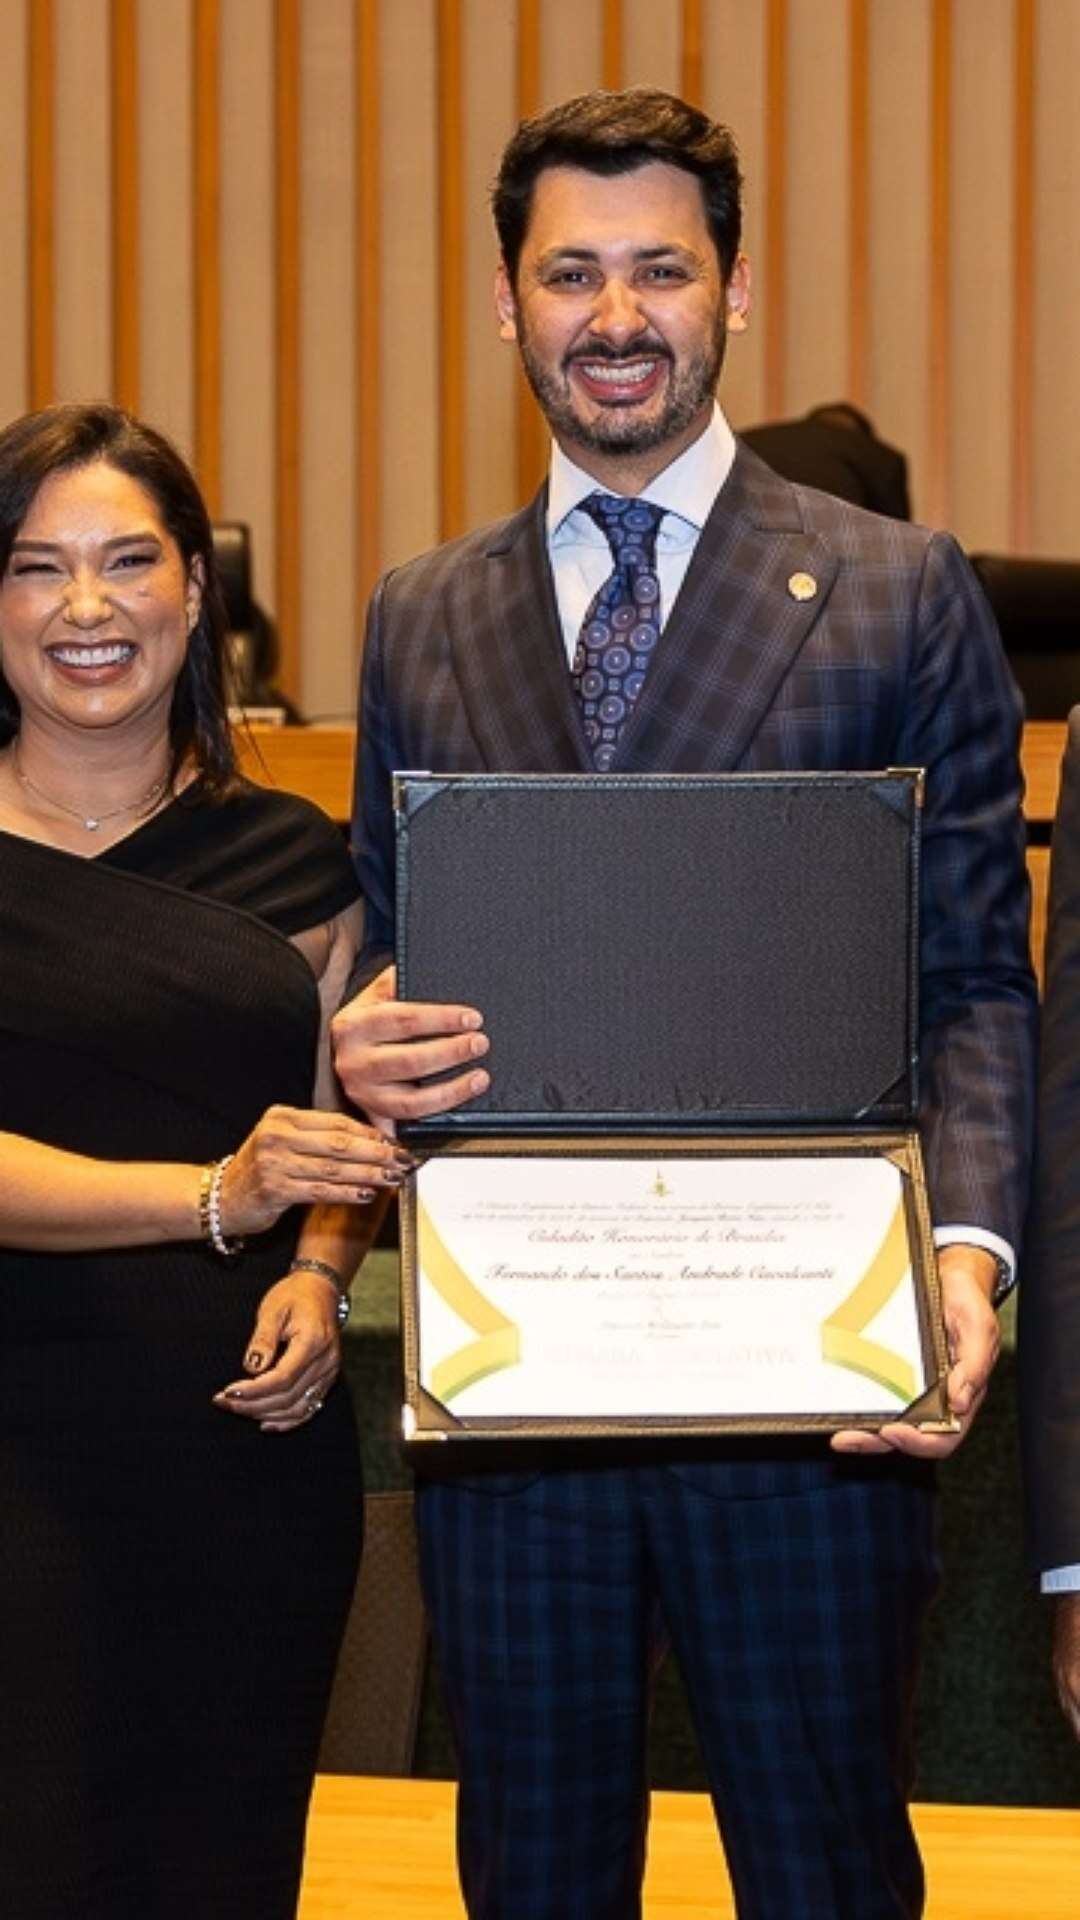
(795, 1618)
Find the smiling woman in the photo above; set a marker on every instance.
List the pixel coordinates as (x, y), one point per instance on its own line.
(178, 1218)
(96, 608)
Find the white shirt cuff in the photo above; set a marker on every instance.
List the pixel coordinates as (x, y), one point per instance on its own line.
(1061, 1580)
(977, 1237)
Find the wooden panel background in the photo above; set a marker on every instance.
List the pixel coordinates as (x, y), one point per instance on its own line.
(265, 222)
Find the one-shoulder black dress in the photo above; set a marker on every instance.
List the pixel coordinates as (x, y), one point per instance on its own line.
(173, 1582)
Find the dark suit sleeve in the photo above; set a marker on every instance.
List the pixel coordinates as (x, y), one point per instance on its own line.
(373, 817)
(978, 1003)
(1050, 1297)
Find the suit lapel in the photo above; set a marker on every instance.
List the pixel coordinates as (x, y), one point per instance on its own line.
(735, 630)
(509, 655)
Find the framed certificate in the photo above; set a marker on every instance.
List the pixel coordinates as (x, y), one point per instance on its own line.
(665, 1285)
(691, 1199)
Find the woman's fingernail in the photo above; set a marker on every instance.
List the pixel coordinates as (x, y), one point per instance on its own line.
(365, 1193)
(478, 1082)
(254, 1360)
(471, 1021)
(233, 1393)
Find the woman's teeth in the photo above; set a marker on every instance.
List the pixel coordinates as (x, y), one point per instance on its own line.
(93, 656)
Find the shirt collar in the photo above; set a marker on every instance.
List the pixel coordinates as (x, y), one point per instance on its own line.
(687, 488)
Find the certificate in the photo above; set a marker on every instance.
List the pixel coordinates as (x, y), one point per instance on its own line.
(661, 1284)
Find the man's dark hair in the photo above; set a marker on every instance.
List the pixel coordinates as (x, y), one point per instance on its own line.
(841, 413)
(59, 439)
(612, 133)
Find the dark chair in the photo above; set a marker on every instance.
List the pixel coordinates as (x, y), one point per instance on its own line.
(375, 1703)
(253, 645)
(1036, 604)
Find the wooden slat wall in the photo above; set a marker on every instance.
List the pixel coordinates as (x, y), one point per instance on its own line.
(126, 269)
(531, 440)
(367, 122)
(310, 313)
(939, 307)
(206, 117)
(41, 191)
(451, 259)
(774, 240)
(858, 156)
(1023, 273)
(692, 52)
(287, 337)
(611, 57)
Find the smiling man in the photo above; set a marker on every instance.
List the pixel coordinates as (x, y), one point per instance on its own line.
(622, 339)
(668, 604)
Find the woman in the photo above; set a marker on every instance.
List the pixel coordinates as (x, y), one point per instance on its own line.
(179, 1481)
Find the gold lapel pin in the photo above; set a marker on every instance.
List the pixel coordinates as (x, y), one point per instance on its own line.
(802, 586)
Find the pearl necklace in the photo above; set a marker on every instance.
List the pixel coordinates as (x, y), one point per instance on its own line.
(90, 822)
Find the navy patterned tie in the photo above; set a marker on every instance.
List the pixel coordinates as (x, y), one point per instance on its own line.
(620, 631)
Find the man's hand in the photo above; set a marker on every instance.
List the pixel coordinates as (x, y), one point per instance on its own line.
(1067, 1656)
(971, 1327)
(386, 1049)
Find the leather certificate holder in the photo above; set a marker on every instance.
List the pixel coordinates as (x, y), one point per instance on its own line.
(692, 1198)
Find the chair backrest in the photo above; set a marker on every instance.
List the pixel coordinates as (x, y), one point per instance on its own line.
(375, 1702)
(232, 555)
(1037, 607)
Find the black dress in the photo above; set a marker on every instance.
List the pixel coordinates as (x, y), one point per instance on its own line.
(173, 1582)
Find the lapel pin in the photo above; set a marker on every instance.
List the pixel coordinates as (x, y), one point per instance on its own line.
(802, 586)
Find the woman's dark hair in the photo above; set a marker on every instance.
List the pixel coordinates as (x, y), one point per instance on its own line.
(61, 438)
(617, 133)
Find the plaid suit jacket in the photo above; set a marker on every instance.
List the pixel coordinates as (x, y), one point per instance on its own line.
(894, 661)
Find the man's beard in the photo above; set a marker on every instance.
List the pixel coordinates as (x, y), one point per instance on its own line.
(627, 428)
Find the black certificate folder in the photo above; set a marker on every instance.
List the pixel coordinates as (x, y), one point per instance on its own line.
(711, 951)
(692, 1198)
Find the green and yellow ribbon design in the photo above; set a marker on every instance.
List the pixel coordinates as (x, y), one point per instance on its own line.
(498, 1341)
(843, 1338)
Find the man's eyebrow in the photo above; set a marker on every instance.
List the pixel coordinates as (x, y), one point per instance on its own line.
(592, 253)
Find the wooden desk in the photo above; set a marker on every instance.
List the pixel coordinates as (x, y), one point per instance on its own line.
(317, 761)
(1040, 754)
(385, 1849)
(314, 761)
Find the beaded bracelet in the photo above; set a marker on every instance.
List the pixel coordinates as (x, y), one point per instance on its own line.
(210, 1183)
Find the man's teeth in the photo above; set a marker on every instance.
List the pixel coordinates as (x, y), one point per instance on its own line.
(619, 373)
(110, 656)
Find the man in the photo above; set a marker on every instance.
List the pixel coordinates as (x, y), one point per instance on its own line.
(1049, 1327)
(793, 632)
(835, 448)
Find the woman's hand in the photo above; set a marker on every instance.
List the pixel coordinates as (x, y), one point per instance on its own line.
(293, 1357)
(296, 1157)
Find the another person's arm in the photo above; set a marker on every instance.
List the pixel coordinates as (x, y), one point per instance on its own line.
(1049, 1300)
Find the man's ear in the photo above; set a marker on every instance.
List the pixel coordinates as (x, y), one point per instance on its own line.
(737, 296)
(505, 304)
